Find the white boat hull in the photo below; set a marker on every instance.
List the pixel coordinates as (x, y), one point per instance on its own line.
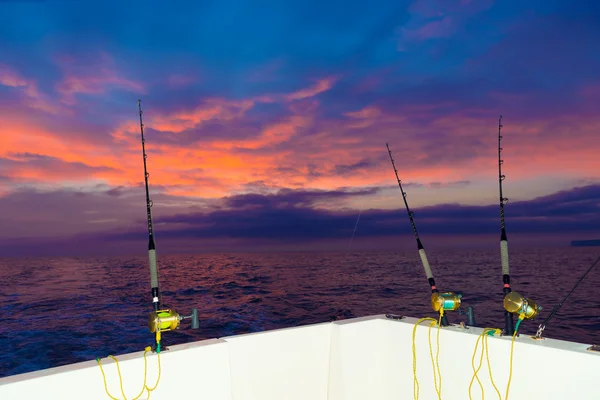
(361, 358)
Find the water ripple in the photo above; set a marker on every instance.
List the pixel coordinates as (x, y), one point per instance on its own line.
(58, 311)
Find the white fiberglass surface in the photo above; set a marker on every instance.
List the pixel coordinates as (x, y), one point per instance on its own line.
(362, 358)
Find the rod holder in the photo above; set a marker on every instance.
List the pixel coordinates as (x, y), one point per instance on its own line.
(509, 324)
(470, 314)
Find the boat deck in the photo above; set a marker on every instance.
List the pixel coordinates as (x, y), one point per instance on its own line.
(361, 358)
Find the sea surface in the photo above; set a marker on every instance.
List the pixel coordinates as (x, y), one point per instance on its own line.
(57, 311)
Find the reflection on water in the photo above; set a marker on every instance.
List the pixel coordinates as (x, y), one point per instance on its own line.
(57, 311)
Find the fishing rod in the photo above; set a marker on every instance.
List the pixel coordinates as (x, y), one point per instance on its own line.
(151, 244)
(514, 303)
(542, 326)
(508, 316)
(445, 300)
(159, 320)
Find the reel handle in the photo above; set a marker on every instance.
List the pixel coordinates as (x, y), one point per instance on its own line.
(194, 317)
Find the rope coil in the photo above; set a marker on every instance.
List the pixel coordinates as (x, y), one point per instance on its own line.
(144, 387)
(483, 338)
(434, 362)
(484, 349)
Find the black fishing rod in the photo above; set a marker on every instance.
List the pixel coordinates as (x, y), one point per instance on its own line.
(422, 253)
(447, 300)
(508, 316)
(167, 319)
(514, 303)
(151, 245)
(542, 326)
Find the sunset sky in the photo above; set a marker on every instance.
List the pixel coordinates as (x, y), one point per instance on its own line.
(266, 123)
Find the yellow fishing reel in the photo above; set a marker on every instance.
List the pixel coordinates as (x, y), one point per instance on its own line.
(168, 320)
(163, 320)
(515, 303)
(447, 301)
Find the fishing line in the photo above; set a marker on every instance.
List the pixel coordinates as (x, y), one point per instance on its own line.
(542, 326)
(352, 238)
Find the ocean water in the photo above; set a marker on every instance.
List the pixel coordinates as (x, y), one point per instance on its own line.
(56, 311)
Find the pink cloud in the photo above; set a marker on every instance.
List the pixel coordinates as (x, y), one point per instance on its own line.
(311, 151)
(267, 98)
(33, 97)
(322, 85)
(94, 77)
(433, 19)
(43, 168)
(11, 78)
(364, 117)
(227, 110)
(303, 107)
(219, 109)
(367, 112)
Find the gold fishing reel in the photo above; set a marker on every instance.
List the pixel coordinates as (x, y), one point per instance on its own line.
(448, 301)
(163, 320)
(515, 303)
(168, 320)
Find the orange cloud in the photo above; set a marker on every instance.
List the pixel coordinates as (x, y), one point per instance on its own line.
(277, 132)
(18, 135)
(532, 148)
(72, 160)
(211, 170)
(302, 150)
